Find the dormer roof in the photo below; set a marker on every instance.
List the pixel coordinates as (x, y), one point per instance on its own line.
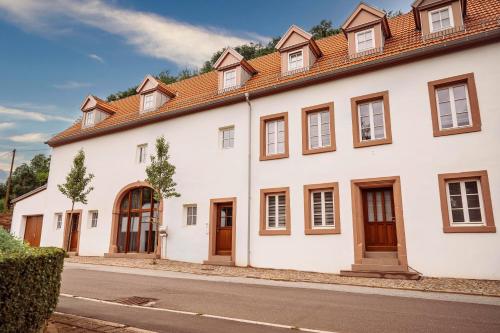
(150, 83)
(418, 5)
(295, 37)
(365, 15)
(92, 102)
(231, 58)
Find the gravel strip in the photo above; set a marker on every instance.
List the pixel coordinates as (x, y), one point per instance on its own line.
(451, 285)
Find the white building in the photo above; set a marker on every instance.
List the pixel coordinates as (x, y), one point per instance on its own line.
(367, 152)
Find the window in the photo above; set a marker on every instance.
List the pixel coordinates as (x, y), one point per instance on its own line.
(364, 40)
(371, 120)
(454, 105)
(149, 101)
(230, 78)
(58, 220)
(321, 209)
(142, 153)
(318, 129)
(295, 60)
(441, 19)
(275, 211)
(88, 119)
(466, 202)
(191, 212)
(93, 216)
(227, 136)
(274, 136)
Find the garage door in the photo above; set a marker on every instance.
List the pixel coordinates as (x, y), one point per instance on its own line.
(33, 230)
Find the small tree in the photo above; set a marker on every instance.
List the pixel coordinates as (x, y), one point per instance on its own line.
(77, 186)
(160, 175)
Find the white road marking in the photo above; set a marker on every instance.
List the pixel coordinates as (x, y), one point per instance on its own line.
(190, 313)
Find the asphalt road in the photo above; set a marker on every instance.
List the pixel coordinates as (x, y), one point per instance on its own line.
(298, 307)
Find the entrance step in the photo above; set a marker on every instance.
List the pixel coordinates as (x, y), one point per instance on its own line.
(377, 268)
(383, 275)
(381, 254)
(380, 261)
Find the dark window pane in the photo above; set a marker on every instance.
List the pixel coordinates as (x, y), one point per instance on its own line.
(146, 198)
(473, 201)
(471, 187)
(454, 188)
(136, 199)
(456, 201)
(122, 232)
(124, 205)
(143, 242)
(475, 215)
(458, 215)
(134, 230)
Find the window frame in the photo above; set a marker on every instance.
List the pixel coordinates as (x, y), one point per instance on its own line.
(485, 197)
(86, 117)
(153, 102)
(450, 16)
(289, 55)
(356, 129)
(263, 136)
(91, 218)
(57, 220)
(231, 139)
(472, 102)
(356, 39)
(140, 156)
(306, 150)
(224, 81)
(187, 215)
(264, 230)
(309, 229)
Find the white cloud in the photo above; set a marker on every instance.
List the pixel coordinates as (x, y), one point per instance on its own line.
(150, 34)
(30, 137)
(71, 85)
(5, 125)
(31, 115)
(96, 58)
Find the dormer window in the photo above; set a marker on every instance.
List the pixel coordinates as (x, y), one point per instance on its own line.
(364, 40)
(229, 78)
(88, 119)
(295, 60)
(95, 110)
(441, 19)
(149, 101)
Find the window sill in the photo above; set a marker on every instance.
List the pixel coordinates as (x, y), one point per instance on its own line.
(459, 130)
(470, 229)
(309, 151)
(370, 143)
(324, 231)
(273, 157)
(281, 232)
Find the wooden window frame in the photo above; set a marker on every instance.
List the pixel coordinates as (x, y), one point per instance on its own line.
(448, 227)
(356, 38)
(470, 82)
(440, 9)
(305, 128)
(308, 227)
(263, 136)
(91, 218)
(289, 55)
(356, 138)
(263, 231)
(194, 217)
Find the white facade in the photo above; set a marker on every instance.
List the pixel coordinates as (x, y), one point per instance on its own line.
(206, 171)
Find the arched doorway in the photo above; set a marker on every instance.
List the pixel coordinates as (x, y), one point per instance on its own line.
(136, 232)
(133, 232)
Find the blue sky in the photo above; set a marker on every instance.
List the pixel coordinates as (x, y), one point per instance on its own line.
(56, 52)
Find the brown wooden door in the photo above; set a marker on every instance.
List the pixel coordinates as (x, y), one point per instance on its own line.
(33, 230)
(224, 230)
(75, 230)
(379, 220)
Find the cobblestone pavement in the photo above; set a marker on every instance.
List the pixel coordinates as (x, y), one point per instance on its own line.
(462, 286)
(67, 323)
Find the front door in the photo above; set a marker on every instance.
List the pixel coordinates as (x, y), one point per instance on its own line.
(379, 220)
(33, 230)
(74, 231)
(224, 229)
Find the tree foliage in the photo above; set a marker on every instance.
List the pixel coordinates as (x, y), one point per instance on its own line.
(77, 185)
(324, 29)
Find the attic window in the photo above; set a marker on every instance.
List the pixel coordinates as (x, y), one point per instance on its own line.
(441, 19)
(88, 119)
(295, 60)
(364, 40)
(230, 78)
(149, 100)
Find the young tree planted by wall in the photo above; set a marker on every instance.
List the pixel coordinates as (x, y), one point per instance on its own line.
(160, 175)
(77, 186)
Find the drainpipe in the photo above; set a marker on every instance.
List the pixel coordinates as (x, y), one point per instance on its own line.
(249, 176)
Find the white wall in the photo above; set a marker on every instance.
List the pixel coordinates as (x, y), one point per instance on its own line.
(205, 171)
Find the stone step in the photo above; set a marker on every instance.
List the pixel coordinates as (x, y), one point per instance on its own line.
(377, 268)
(381, 254)
(380, 261)
(383, 275)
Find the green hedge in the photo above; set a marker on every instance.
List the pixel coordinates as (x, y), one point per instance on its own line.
(29, 287)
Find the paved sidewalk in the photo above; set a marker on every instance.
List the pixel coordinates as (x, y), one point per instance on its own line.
(447, 285)
(67, 323)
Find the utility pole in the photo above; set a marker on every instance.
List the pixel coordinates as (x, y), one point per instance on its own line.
(9, 181)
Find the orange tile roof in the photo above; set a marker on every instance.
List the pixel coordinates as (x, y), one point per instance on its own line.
(202, 90)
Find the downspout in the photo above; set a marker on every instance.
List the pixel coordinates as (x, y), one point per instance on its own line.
(249, 176)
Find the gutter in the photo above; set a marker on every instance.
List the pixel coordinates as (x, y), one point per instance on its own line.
(249, 176)
(440, 48)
